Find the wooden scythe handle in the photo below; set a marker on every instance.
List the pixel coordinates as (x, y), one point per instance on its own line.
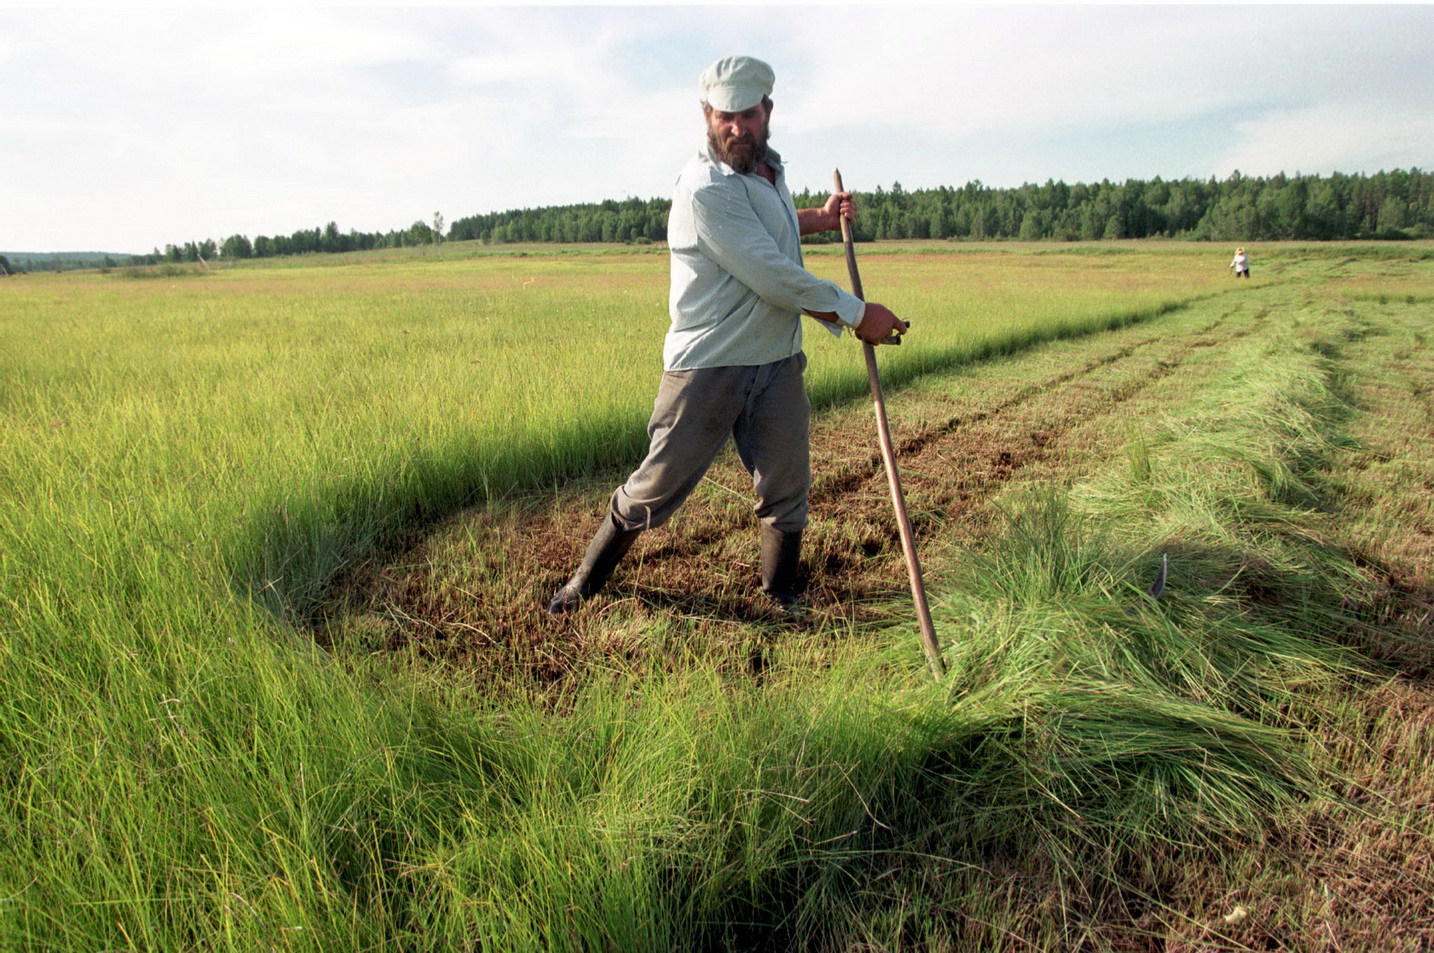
(893, 478)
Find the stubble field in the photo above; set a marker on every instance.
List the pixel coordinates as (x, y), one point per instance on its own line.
(276, 544)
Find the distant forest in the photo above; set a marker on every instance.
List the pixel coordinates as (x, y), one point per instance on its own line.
(1386, 205)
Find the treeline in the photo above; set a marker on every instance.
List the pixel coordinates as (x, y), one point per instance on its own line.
(631, 220)
(14, 263)
(326, 240)
(1386, 205)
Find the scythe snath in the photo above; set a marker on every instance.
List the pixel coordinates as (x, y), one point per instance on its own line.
(893, 478)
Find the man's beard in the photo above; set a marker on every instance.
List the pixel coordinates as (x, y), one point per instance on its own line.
(743, 155)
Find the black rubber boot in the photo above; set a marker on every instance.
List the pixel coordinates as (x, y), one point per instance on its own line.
(604, 553)
(781, 555)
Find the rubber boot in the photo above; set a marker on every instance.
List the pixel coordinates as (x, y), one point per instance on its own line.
(781, 555)
(604, 553)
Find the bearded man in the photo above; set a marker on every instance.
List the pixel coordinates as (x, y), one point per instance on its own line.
(733, 360)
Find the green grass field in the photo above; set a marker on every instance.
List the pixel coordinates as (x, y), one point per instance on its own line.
(221, 731)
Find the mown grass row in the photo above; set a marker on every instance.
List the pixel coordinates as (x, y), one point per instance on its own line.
(1109, 743)
(189, 465)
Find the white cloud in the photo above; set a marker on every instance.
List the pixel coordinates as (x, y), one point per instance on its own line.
(1339, 137)
(968, 70)
(151, 126)
(310, 43)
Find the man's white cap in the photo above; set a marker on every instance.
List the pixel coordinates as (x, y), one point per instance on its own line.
(736, 83)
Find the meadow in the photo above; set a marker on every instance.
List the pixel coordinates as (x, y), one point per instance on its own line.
(274, 541)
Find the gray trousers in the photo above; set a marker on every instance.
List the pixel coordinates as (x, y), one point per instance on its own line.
(764, 410)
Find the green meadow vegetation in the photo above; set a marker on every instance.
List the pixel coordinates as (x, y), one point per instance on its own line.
(195, 462)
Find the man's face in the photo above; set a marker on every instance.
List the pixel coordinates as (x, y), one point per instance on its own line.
(739, 139)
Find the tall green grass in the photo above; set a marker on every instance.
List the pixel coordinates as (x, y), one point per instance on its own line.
(286, 419)
(188, 464)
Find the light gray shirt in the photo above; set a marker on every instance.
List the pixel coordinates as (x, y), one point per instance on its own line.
(738, 282)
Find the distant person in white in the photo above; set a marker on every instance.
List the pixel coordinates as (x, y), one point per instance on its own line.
(1241, 264)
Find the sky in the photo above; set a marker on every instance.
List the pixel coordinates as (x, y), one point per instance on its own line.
(126, 128)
